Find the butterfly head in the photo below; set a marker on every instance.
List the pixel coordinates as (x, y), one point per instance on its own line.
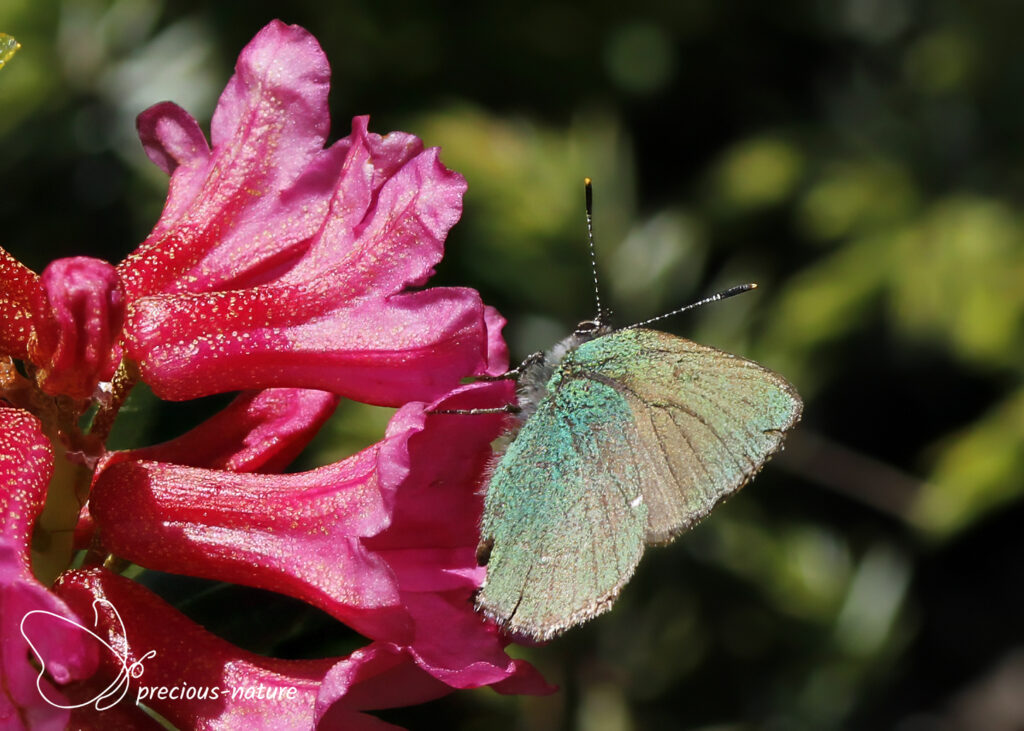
(590, 329)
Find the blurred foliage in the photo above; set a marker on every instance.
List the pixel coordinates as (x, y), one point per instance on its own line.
(862, 160)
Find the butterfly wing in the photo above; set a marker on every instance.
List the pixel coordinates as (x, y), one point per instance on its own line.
(640, 436)
(707, 420)
(563, 515)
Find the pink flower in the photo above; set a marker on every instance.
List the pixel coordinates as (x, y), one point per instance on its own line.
(384, 541)
(282, 269)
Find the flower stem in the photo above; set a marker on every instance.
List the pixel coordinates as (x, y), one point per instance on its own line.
(121, 385)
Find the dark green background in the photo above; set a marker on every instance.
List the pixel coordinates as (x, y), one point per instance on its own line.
(860, 159)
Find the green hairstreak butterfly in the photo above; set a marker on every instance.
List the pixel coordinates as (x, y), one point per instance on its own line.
(626, 438)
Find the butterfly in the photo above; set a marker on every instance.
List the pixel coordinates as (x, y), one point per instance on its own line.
(626, 438)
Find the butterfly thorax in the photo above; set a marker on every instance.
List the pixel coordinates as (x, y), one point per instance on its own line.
(533, 383)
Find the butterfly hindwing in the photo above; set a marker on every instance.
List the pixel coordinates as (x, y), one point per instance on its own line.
(707, 420)
(563, 511)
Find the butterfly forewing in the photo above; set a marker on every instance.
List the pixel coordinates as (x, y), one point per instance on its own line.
(707, 420)
(564, 512)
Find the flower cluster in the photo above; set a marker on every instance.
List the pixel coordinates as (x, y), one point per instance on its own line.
(294, 274)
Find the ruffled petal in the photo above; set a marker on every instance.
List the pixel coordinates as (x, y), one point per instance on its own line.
(171, 137)
(236, 216)
(387, 351)
(260, 431)
(497, 349)
(389, 213)
(378, 676)
(437, 500)
(455, 645)
(389, 217)
(334, 236)
(382, 675)
(431, 542)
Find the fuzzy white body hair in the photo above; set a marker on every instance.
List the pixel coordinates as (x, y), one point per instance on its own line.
(532, 386)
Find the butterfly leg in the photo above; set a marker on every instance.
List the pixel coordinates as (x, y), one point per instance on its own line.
(530, 360)
(513, 374)
(506, 409)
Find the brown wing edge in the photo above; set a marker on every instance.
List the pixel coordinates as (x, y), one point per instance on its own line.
(536, 634)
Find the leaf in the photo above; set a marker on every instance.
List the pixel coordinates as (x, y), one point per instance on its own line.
(978, 472)
(8, 47)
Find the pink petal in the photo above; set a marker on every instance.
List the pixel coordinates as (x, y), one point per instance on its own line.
(453, 643)
(411, 346)
(186, 656)
(437, 502)
(497, 349)
(247, 208)
(390, 152)
(171, 137)
(323, 229)
(26, 463)
(19, 286)
(297, 534)
(64, 655)
(382, 675)
(260, 431)
(525, 679)
(78, 317)
(281, 78)
(386, 227)
(375, 677)
(173, 140)
(431, 541)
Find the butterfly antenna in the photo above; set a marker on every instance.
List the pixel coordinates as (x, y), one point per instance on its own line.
(731, 292)
(593, 249)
